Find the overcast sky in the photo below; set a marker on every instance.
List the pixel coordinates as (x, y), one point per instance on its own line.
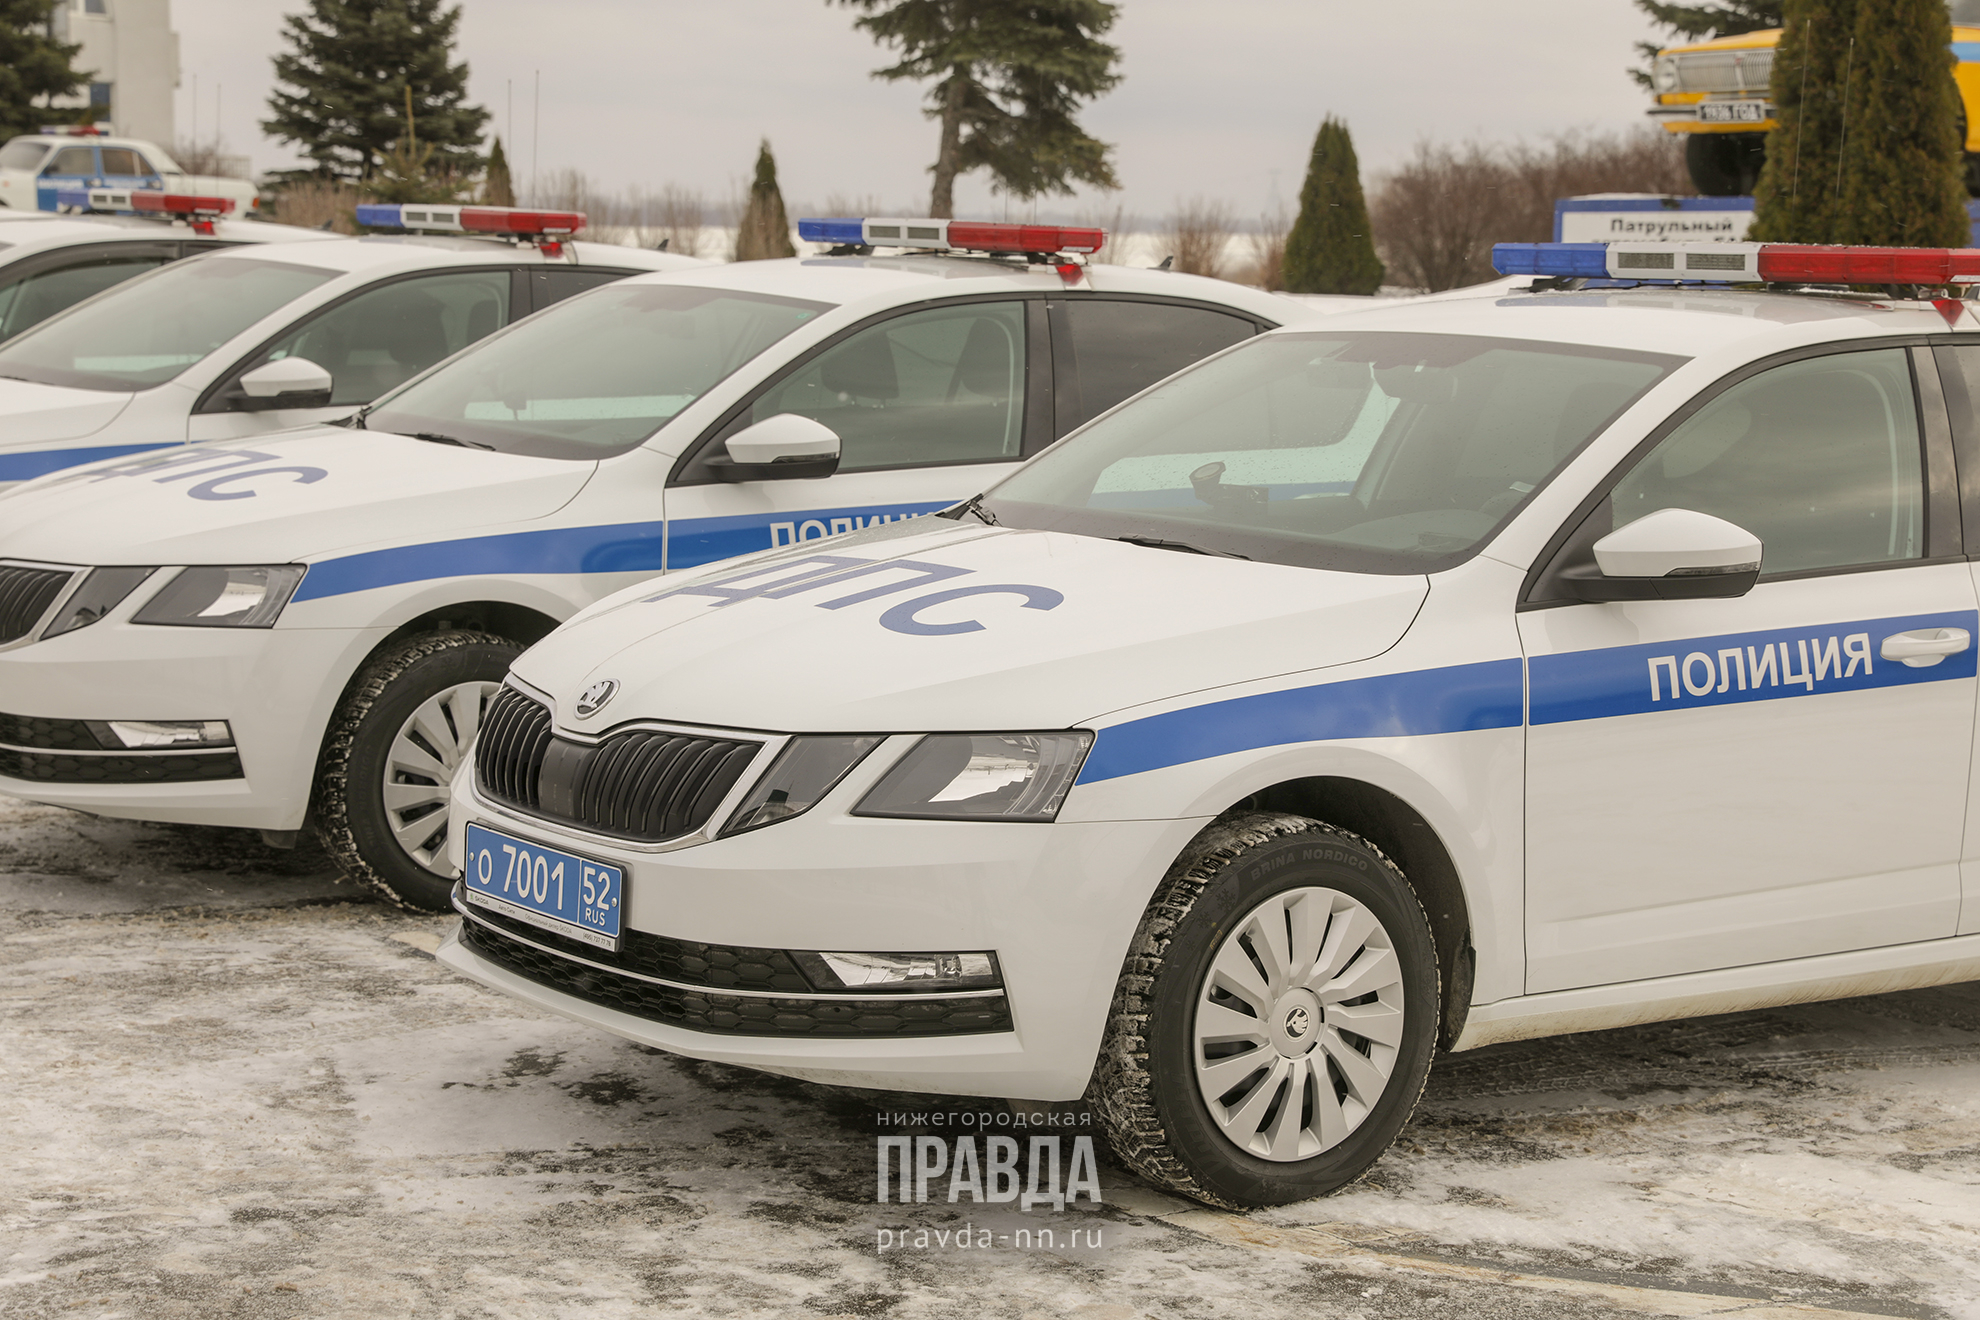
(1220, 97)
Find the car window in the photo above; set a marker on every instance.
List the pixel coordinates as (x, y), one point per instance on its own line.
(945, 385)
(123, 160)
(383, 337)
(596, 375)
(37, 297)
(553, 286)
(1819, 459)
(73, 160)
(22, 154)
(1119, 348)
(1375, 452)
(157, 325)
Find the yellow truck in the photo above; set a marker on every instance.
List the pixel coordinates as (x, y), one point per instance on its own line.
(1716, 94)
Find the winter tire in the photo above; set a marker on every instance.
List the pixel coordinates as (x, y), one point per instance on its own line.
(1275, 1018)
(404, 725)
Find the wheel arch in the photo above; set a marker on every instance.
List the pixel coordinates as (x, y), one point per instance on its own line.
(1402, 832)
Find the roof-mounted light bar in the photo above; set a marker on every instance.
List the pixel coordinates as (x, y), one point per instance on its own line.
(72, 130)
(951, 235)
(546, 229)
(1739, 263)
(199, 212)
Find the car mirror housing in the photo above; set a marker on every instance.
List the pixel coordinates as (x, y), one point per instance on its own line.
(292, 382)
(1672, 554)
(781, 447)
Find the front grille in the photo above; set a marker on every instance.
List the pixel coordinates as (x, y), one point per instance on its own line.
(1745, 71)
(639, 784)
(737, 1015)
(25, 595)
(48, 768)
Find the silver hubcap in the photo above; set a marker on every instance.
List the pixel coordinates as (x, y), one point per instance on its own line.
(1298, 1024)
(427, 750)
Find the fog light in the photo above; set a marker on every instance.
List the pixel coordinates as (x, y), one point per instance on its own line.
(152, 734)
(900, 971)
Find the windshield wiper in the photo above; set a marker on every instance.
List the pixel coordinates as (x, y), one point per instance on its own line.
(436, 438)
(1156, 543)
(974, 505)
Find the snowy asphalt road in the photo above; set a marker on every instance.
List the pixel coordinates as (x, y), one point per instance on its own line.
(233, 1088)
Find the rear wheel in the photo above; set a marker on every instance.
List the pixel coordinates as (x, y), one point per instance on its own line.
(1725, 164)
(1275, 1020)
(403, 728)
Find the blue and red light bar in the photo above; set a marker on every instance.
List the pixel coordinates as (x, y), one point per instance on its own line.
(1740, 263)
(198, 211)
(952, 235)
(470, 219)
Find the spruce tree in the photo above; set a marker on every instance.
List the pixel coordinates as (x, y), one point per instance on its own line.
(32, 65)
(497, 189)
(765, 231)
(350, 65)
(1865, 147)
(1330, 249)
(1008, 81)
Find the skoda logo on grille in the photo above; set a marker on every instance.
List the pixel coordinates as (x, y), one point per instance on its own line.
(596, 696)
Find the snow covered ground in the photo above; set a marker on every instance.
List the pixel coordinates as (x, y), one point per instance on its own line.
(230, 1087)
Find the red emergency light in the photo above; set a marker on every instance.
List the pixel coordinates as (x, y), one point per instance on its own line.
(1793, 263)
(976, 237)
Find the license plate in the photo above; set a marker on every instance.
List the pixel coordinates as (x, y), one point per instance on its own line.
(1732, 112)
(546, 887)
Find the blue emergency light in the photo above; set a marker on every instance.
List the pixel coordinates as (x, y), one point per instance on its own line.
(1739, 263)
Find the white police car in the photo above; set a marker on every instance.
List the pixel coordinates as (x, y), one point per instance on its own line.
(37, 169)
(245, 341)
(49, 263)
(316, 620)
(1431, 676)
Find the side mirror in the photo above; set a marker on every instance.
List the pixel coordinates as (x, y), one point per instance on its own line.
(1672, 554)
(284, 383)
(777, 448)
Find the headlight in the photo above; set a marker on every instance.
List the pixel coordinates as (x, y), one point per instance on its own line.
(980, 776)
(102, 591)
(805, 771)
(202, 597)
(1666, 74)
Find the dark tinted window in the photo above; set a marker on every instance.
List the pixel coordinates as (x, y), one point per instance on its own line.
(122, 160)
(944, 385)
(34, 299)
(1819, 459)
(73, 160)
(385, 336)
(553, 286)
(1116, 349)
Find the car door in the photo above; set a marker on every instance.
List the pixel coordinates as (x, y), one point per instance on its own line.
(931, 405)
(124, 167)
(35, 288)
(1959, 369)
(370, 341)
(70, 167)
(1718, 783)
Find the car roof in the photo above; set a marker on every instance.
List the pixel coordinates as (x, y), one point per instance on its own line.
(1705, 323)
(889, 280)
(374, 253)
(38, 231)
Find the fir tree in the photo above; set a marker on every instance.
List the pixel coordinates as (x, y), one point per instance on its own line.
(351, 64)
(1730, 18)
(496, 187)
(1865, 147)
(765, 231)
(1008, 80)
(32, 65)
(1330, 249)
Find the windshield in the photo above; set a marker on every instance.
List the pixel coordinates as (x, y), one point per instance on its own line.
(146, 331)
(22, 154)
(596, 375)
(1370, 452)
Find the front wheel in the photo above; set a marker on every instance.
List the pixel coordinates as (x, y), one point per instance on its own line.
(404, 726)
(1725, 164)
(1275, 1019)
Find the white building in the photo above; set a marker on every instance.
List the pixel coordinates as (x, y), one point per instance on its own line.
(131, 54)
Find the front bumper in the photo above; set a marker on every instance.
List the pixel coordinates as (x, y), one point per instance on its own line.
(275, 687)
(1057, 904)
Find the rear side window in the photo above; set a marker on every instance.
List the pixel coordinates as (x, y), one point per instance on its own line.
(73, 160)
(1109, 350)
(37, 297)
(123, 160)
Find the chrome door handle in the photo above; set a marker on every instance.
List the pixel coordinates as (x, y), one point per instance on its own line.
(1925, 647)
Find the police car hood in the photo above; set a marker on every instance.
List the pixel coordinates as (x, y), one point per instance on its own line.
(932, 624)
(32, 413)
(276, 499)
